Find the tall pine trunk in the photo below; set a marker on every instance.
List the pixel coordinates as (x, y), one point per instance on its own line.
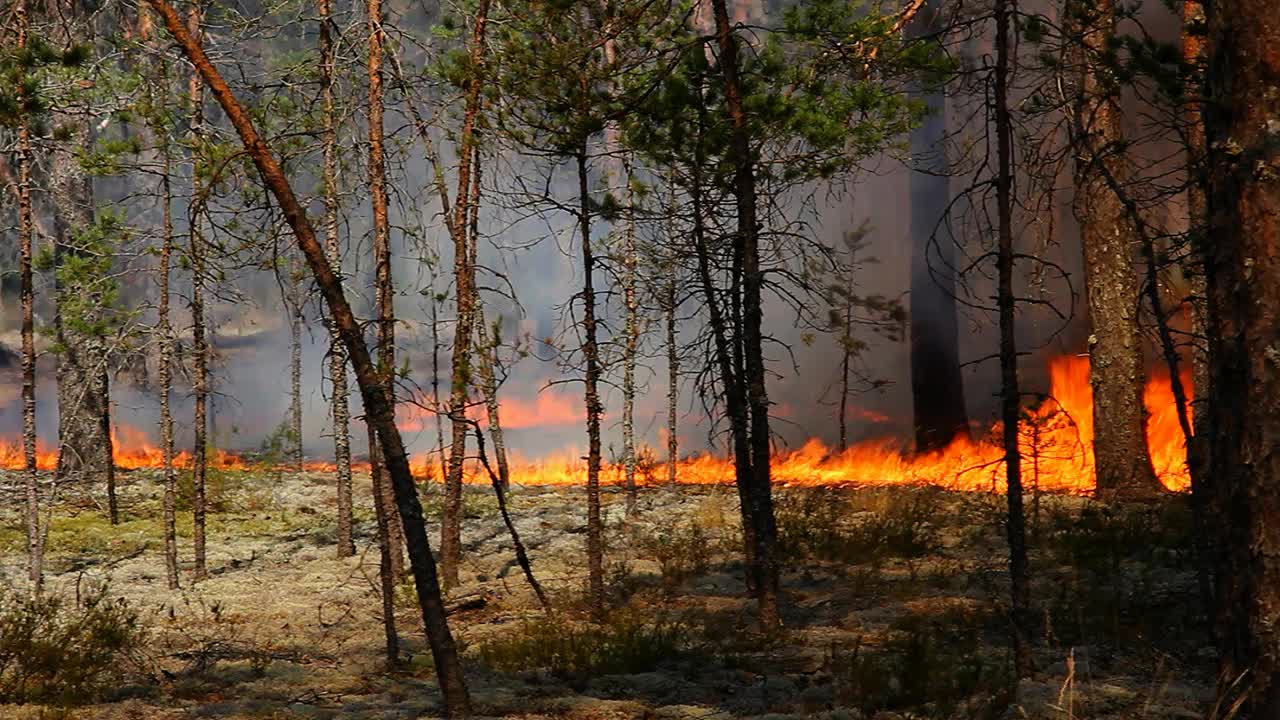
(591, 355)
(199, 346)
(669, 309)
(337, 356)
(31, 477)
(464, 287)
(379, 408)
(295, 363)
(1242, 278)
(84, 451)
(630, 261)
(1010, 397)
(1107, 235)
(937, 387)
(746, 249)
(391, 564)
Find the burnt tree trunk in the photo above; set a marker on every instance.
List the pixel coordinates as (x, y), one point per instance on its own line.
(1010, 397)
(337, 357)
(295, 363)
(746, 247)
(669, 309)
(937, 387)
(1242, 278)
(379, 409)
(1107, 236)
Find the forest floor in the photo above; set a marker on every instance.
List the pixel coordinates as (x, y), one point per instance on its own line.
(894, 607)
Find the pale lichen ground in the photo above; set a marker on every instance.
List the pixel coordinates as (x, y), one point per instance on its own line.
(882, 585)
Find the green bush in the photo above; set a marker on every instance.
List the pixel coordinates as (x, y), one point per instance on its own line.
(63, 652)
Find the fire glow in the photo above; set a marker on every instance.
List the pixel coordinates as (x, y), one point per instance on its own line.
(1056, 440)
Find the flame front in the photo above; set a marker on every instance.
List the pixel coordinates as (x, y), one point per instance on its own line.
(1056, 440)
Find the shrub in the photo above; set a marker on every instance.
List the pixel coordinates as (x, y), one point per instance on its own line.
(63, 652)
(626, 643)
(817, 524)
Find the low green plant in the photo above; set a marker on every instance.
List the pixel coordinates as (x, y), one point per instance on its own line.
(682, 551)
(821, 524)
(626, 643)
(65, 652)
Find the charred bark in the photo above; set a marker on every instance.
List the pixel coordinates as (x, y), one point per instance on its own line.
(1242, 279)
(1108, 237)
(937, 387)
(378, 406)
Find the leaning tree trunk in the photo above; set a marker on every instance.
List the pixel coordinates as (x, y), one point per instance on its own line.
(591, 355)
(31, 478)
(378, 406)
(746, 243)
(199, 346)
(337, 357)
(464, 288)
(937, 387)
(1116, 366)
(1010, 398)
(1242, 278)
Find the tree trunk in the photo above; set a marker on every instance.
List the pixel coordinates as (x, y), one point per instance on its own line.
(1242, 278)
(386, 550)
(630, 261)
(673, 376)
(746, 244)
(846, 356)
(464, 283)
(378, 406)
(103, 381)
(382, 263)
(937, 387)
(295, 363)
(158, 96)
(337, 357)
(1010, 397)
(31, 478)
(1116, 366)
(590, 353)
(199, 347)
(84, 452)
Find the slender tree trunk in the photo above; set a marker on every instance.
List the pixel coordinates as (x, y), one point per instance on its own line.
(84, 452)
(199, 347)
(383, 494)
(746, 243)
(31, 477)
(1116, 366)
(464, 283)
(158, 96)
(337, 356)
(522, 556)
(734, 400)
(673, 376)
(103, 381)
(846, 353)
(295, 363)
(630, 261)
(1010, 396)
(435, 385)
(386, 551)
(937, 386)
(590, 353)
(1242, 278)
(378, 406)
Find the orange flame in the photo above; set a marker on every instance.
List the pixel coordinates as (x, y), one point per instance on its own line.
(1056, 441)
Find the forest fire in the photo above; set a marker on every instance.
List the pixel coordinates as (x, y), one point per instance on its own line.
(1056, 443)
